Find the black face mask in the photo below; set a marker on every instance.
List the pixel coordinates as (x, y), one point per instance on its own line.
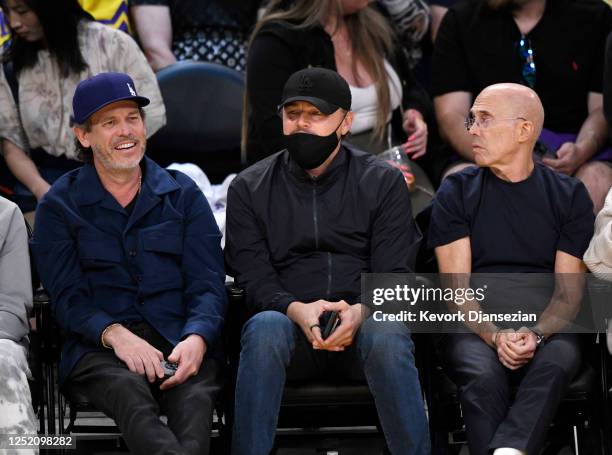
(309, 150)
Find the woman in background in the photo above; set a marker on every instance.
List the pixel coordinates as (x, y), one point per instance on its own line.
(215, 31)
(55, 45)
(355, 39)
(352, 38)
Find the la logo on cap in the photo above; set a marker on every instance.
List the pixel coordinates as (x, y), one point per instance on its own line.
(132, 91)
(305, 83)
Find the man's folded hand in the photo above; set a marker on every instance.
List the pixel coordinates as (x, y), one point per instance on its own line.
(189, 354)
(139, 356)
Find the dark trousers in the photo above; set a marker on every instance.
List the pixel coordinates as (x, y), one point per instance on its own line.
(136, 405)
(492, 419)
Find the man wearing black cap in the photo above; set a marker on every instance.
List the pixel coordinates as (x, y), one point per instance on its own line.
(302, 225)
(130, 254)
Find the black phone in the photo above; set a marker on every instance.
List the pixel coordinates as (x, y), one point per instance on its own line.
(169, 368)
(333, 320)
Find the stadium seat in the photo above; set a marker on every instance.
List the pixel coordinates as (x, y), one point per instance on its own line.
(307, 406)
(204, 118)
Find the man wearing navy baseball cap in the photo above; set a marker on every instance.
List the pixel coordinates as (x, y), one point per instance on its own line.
(302, 226)
(131, 256)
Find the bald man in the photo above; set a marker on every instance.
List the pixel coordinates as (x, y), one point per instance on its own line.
(555, 47)
(511, 215)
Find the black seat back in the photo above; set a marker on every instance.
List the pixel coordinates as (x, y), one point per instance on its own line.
(204, 118)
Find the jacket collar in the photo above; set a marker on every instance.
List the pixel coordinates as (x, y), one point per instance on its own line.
(156, 182)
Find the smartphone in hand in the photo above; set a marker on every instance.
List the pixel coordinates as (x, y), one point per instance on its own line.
(333, 320)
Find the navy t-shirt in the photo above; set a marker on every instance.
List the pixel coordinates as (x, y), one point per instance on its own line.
(513, 227)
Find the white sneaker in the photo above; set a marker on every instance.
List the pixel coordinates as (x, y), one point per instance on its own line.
(508, 451)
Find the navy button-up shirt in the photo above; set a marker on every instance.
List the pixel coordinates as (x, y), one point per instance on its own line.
(162, 263)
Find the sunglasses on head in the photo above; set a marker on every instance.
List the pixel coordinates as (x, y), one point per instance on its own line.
(529, 69)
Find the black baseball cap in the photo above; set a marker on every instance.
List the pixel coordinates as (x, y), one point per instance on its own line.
(325, 89)
(100, 90)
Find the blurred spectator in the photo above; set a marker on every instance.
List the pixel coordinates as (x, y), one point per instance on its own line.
(56, 44)
(5, 31)
(555, 47)
(354, 39)
(16, 414)
(110, 12)
(411, 19)
(438, 9)
(204, 30)
(598, 257)
(607, 81)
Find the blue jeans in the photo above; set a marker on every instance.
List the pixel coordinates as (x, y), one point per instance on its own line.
(275, 349)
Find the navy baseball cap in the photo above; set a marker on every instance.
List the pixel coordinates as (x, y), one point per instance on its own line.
(101, 90)
(323, 88)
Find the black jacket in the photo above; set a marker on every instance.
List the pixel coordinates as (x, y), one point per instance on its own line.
(280, 50)
(290, 237)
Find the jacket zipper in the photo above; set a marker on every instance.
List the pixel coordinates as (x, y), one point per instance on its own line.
(315, 218)
(329, 274)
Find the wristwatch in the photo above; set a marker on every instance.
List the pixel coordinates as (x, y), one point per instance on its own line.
(539, 335)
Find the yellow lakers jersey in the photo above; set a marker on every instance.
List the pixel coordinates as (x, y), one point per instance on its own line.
(109, 12)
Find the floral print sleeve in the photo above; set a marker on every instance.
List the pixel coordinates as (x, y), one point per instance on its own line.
(45, 96)
(10, 125)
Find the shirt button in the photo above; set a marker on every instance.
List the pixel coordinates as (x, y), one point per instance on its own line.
(132, 253)
(141, 302)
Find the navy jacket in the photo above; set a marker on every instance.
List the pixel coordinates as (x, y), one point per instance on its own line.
(163, 263)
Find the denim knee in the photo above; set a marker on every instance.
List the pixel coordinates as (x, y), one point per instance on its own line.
(385, 342)
(268, 333)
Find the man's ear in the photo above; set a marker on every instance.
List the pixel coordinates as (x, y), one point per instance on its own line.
(82, 136)
(526, 131)
(346, 123)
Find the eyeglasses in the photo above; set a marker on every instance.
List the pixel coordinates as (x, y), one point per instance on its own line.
(485, 122)
(529, 68)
